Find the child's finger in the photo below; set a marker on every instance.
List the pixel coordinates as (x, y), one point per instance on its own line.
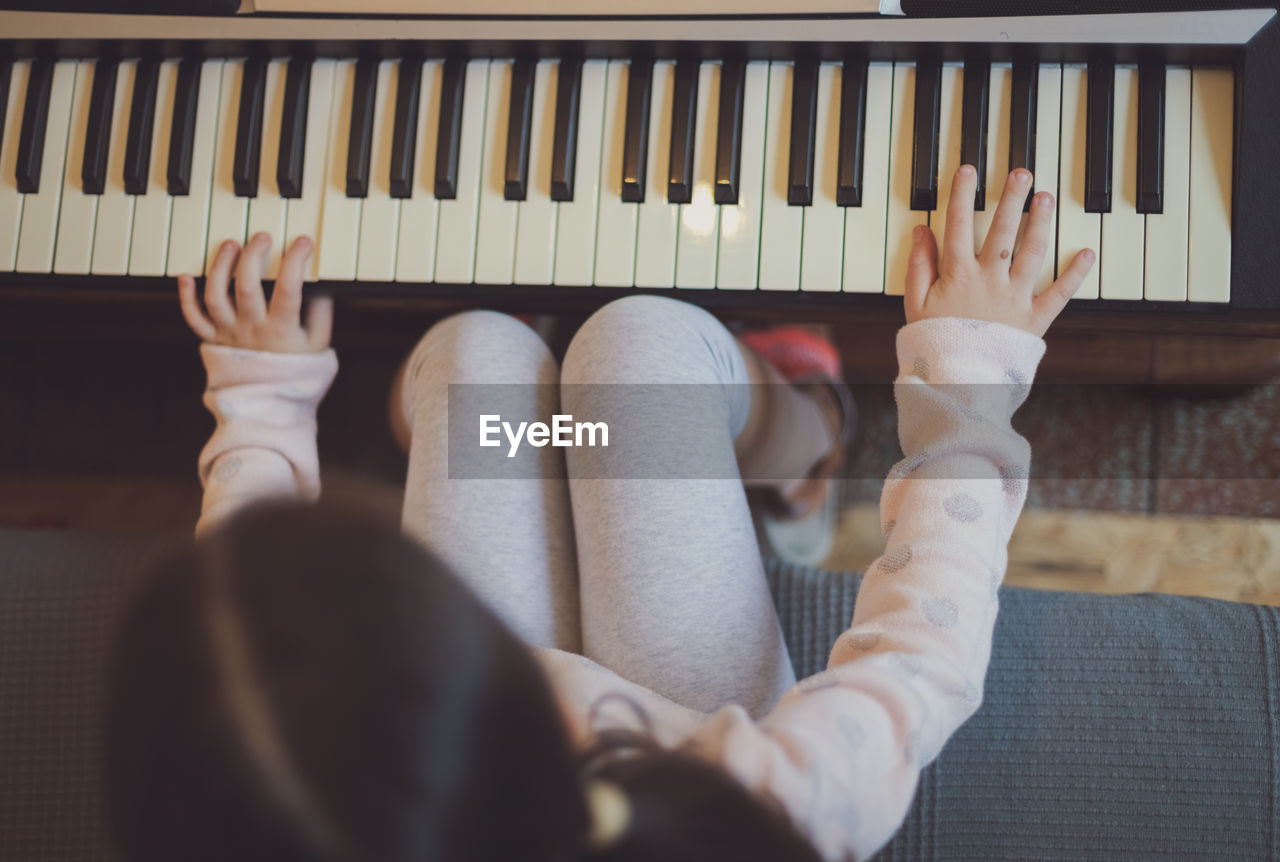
(250, 303)
(1028, 262)
(957, 245)
(922, 268)
(286, 301)
(216, 283)
(319, 322)
(1004, 226)
(195, 317)
(1048, 305)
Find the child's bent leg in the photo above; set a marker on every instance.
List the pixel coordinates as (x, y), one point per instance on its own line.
(673, 590)
(509, 540)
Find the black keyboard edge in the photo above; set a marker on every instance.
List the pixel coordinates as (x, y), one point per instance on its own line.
(1207, 318)
(619, 49)
(1255, 255)
(125, 7)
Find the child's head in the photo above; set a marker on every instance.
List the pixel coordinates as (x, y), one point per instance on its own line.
(304, 685)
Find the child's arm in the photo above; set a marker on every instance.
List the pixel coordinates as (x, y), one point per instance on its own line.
(267, 373)
(843, 749)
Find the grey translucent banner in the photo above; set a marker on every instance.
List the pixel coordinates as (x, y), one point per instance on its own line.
(1075, 431)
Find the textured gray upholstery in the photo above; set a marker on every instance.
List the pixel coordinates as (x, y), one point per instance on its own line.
(1125, 728)
(1113, 727)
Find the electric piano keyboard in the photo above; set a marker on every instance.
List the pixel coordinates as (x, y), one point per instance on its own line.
(777, 162)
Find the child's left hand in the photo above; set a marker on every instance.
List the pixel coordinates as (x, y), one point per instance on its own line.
(248, 321)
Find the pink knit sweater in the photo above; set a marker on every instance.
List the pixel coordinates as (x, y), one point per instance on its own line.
(842, 751)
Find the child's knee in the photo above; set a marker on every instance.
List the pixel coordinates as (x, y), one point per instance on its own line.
(650, 339)
(483, 347)
(476, 347)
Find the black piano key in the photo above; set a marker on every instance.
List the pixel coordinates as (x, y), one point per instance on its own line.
(733, 75)
(804, 133)
(182, 134)
(102, 101)
(924, 150)
(248, 152)
(404, 138)
(142, 116)
(564, 149)
(1151, 76)
(973, 123)
(519, 131)
(853, 122)
(684, 109)
(635, 148)
(1098, 142)
(293, 128)
(360, 142)
(1022, 117)
(35, 119)
(449, 139)
(6, 75)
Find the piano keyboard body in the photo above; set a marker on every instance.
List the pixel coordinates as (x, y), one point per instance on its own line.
(760, 167)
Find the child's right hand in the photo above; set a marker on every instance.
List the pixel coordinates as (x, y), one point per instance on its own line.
(998, 284)
(247, 321)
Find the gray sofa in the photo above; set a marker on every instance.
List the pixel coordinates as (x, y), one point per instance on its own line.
(1126, 728)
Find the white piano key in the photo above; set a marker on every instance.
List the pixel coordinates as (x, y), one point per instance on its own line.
(864, 226)
(228, 214)
(700, 218)
(303, 215)
(114, 234)
(268, 209)
(1212, 135)
(189, 231)
(1048, 114)
(40, 210)
(1077, 229)
(456, 246)
(416, 247)
(616, 228)
(1123, 227)
(657, 220)
(74, 251)
(576, 227)
(537, 217)
(781, 225)
(949, 132)
(1166, 261)
(999, 125)
(151, 213)
(901, 220)
(496, 233)
(739, 255)
(380, 215)
(339, 238)
(822, 249)
(11, 199)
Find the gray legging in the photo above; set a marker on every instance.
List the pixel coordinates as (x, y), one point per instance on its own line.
(660, 581)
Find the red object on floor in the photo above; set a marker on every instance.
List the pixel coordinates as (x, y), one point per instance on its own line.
(795, 352)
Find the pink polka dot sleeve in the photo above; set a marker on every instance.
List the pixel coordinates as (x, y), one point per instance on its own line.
(265, 441)
(843, 750)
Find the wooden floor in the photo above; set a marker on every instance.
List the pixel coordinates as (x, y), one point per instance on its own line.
(1237, 559)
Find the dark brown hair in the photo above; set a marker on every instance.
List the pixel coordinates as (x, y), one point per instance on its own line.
(683, 809)
(306, 685)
